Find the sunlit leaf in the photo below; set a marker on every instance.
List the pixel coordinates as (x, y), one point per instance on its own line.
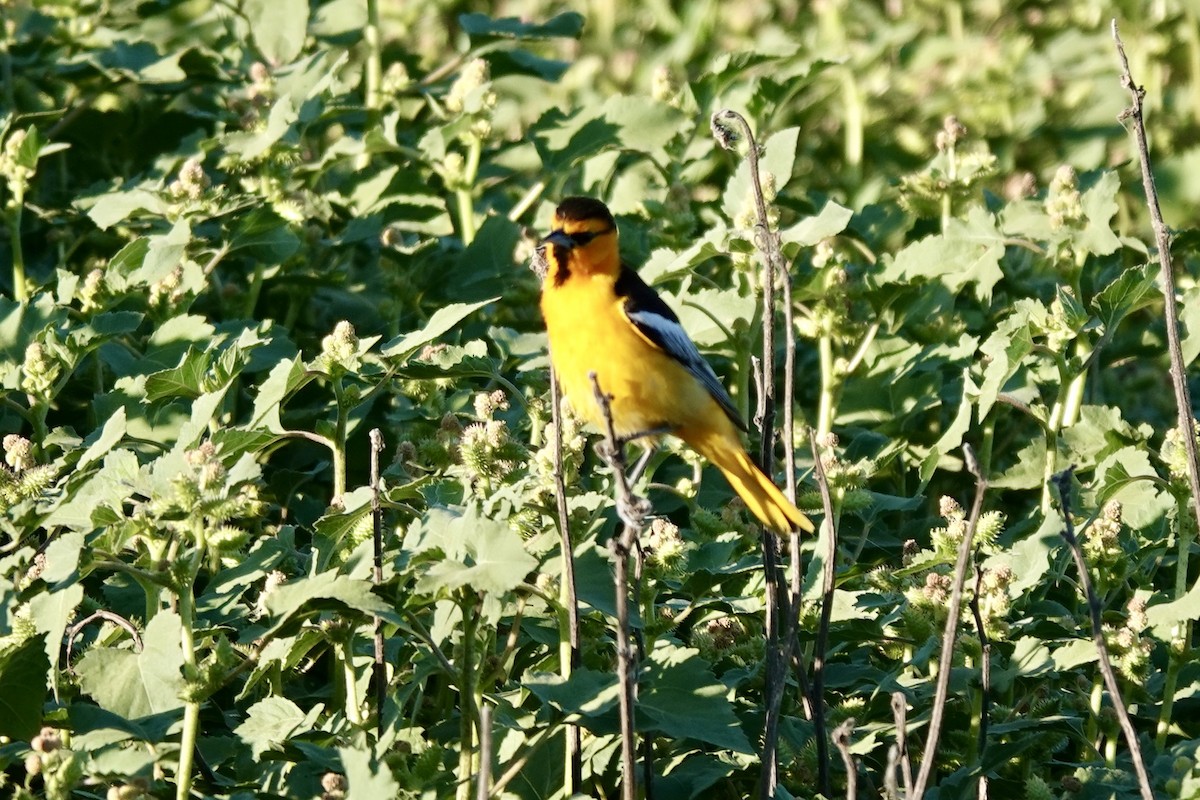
(137, 684)
(683, 699)
(278, 27)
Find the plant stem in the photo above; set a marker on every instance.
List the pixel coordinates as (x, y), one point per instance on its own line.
(1063, 483)
(929, 756)
(1162, 238)
(828, 571)
(338, 446)
(467, 695)
(853, 124)
(465, 193)
(632, 510)
(379, 671)
(20, 286)
(254, 290)
(373, 68)
(1181, 634)
(191, 709)
(569, 657)
(828, 379)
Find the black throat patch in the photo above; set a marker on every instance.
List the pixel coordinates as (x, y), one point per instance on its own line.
(559, 257)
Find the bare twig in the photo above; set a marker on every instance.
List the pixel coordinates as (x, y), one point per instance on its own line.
(929, 756)
(379, 678)
(1062, 481)
(1162, 239)
(574, 741)
(727, 126)
(827, 576)
(985, 678)
(891, 787)
(632, 510)
(841, 740)
(900, 715)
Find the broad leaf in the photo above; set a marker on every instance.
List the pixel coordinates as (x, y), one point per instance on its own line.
(138, 684)
(24, 676)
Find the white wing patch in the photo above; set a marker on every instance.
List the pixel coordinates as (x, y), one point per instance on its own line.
(670, 336)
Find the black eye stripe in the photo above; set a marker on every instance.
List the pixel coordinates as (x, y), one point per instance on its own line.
(581, 238)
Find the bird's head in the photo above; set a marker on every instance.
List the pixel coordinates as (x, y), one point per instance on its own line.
(583, 240)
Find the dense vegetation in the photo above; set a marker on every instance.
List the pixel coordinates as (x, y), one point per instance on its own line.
(238, 236)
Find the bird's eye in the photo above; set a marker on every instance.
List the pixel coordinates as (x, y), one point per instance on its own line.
(580, 238)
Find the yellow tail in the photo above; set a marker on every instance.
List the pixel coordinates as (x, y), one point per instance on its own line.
(761, 496)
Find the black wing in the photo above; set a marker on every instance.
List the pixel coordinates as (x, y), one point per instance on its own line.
(657, 323)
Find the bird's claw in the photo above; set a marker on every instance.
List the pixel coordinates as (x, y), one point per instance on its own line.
(633, 510)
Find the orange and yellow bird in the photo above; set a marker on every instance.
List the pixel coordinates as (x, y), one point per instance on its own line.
(602, 318)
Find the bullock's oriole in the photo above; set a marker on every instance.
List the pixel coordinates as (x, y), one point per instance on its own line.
(601, 317)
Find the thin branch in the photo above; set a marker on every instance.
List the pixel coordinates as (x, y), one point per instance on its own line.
(379, 676)
(841, 740)
(1062, 481)
(74, 631)
(900, 715)
(929, 756)
(727, 126)
(1162, 238)
(484, 779)
(574, 740)
(891, 787)
(632, 510)
(822, 645)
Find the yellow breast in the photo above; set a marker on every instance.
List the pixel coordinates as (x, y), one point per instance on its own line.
(589, 333)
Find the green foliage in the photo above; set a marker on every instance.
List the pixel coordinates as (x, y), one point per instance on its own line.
(238, 237)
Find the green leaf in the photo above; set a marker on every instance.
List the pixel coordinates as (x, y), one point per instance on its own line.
(62, 558)
(969, 252)
(568, 24)
(108, 488)
(1128, 477)
(367, 778)
(482, 553)
(1005, 350)
(265, 237)
(286, 377)
(138, 684)
(102, 440)
(683, 699)
(109, 209)
(268, 724)
(831, 220)
(562, 140)
(327, 590)
(1030, 557)
(184, 380)
(585, 692)
(253, 145)
(643, 124)
(1099, 204)
(164, 254)
(1189, 325)
(24, 676)
(278, 27)
(1168, 619)
(442, 320)
(1136, 288)
(52, 611)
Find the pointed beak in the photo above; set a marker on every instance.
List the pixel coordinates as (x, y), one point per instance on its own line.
(557, 238)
